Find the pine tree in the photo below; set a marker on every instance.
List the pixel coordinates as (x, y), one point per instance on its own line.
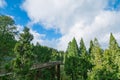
(24, 56)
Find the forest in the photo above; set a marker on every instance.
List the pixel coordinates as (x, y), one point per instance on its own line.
(78, 62)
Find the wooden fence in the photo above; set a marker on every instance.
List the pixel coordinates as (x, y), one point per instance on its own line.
(38, 67)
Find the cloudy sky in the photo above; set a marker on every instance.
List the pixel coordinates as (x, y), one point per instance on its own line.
(55, 22)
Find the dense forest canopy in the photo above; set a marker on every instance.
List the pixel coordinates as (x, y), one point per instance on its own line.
(79, 63)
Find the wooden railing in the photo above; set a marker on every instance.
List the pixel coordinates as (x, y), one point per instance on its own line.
(38, 67)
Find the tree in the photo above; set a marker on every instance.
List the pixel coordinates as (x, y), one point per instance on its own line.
(96, 61)
(83, 51)
(91, 46)
(84, 63)
(114, 54)
(43, 53)
(96, 53)
(113, 45)
(72, 60)
(7, 39)
(73, 48)
(55, 56)
(112, 59)
(23, 56)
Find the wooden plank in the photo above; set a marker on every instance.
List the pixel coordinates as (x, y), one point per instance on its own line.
(44, 65)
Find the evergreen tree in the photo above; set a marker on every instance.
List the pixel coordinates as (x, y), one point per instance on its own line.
(7, 40)
(96, 61)
(109, 69)
(24, 56)
(113, 45)
(73, 48)
(55, 55)
(112, 60)
(43, 53)
(72, 60)
(83, 51)
(84, 63)
(96, 53)
(91, 46)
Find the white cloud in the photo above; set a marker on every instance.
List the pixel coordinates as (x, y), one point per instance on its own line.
(37, 37)
(2, 3)
(103, 24)
(40, 38)
(73, 18)
(62, 14)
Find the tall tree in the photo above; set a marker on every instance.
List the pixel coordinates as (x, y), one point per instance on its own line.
(72, 60)
(112, 59)
(96, 61)
(7, 39)
(84, 63)
(91, 46)
(73, 48)
(83, 51)
(96, 53)
(24, 56)
(113, 45)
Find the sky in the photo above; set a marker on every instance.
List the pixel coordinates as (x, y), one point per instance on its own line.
(55, 22)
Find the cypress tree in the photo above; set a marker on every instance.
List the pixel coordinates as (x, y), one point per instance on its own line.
(73, 48)
(83, 51)
(91, 46)
(96, 53)
(111, 60)
(113, 45)
(72, 60)
(84, 63)
(96, 61)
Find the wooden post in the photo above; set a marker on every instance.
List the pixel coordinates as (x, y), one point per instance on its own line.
(58, 72)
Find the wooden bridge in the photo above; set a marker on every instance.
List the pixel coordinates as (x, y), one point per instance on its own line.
(38, 67)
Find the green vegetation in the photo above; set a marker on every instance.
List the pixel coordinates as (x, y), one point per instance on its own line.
(78, 62)
(24, 56)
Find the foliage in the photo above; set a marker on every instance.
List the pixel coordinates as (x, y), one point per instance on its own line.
(24, 56)
(84, 63)
(7, 41)
(78, 62)
(72, 60)
(42, 53)
(72, 49)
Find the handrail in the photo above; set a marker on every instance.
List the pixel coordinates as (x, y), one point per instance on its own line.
(37, 66)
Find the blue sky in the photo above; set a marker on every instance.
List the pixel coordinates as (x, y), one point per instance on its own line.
(55, 23)
(20, 16)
